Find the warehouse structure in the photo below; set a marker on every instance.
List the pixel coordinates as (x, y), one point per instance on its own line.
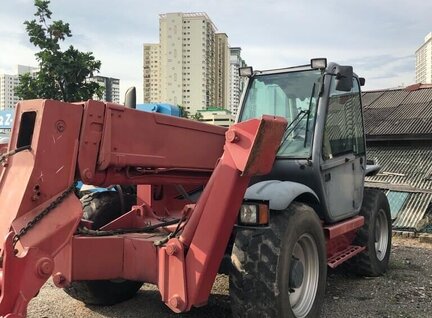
(398, 127)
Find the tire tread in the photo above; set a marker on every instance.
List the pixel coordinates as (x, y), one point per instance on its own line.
(253, 286)
(366, 263)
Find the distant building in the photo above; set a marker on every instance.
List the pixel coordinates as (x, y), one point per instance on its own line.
(398, 128)
(24, 69)
(236, 82)
(217, 116)
(424, 61)
(8, 83)
(111, 88)
(8, 99)
(188, 65)
(222, 69)
(151, 71)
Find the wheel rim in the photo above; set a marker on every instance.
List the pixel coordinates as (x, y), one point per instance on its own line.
(381, 235)
(302, 298)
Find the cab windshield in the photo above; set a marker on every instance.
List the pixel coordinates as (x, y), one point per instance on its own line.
(293, 95)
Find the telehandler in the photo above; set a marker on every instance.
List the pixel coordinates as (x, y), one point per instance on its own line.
(272, 201)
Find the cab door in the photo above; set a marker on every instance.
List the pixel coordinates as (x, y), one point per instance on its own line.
(343, 153)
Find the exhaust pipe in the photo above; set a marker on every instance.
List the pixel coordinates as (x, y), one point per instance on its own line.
(130, 98)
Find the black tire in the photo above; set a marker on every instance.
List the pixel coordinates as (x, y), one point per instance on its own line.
(102, 208)
(376, 235)
(262, 261)
(103, 292)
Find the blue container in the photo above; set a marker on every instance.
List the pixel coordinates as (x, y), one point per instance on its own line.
(166, 109)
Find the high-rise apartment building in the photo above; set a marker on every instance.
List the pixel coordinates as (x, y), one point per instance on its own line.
(7, 88)
(424, 61)
(111, 88)
(152, 84)
(183, 68)
(236, 82)
(222, 67)
(8, 83)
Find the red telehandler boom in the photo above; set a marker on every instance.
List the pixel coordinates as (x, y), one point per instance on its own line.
(179, 248)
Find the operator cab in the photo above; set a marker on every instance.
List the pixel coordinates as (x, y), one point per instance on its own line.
(323, 146)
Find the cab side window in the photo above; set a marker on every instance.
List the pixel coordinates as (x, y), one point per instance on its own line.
(343, 132)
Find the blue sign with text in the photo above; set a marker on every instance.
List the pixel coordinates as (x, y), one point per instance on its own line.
(6, 119)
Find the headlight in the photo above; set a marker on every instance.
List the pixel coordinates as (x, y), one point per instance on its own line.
(248, 214)
(319, 63)
(253, 214)
(246, 71)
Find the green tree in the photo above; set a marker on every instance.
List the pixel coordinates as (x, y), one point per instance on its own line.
(183, 112)
(62, 75)
(186, 114)
(198, 116)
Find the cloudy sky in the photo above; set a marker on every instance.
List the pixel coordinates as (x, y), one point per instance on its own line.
(379, 38)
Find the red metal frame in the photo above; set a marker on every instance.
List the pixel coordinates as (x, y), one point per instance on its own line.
(29, 183)
(105, 144)
(339, 239)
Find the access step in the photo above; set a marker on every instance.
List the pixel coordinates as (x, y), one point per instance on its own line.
(344, 255)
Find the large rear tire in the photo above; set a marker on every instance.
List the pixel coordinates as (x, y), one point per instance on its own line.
(376, 235)
(280, 271)
(102, 208)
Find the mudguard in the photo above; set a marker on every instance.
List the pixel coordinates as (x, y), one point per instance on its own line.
(280, 194)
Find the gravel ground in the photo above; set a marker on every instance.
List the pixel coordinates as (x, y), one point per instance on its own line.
(405, 291)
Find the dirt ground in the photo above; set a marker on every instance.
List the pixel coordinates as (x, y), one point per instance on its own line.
(405, 291)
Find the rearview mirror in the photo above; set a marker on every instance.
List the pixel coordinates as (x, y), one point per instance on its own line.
(344, 78)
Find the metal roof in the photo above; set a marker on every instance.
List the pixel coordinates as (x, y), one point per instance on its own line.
(406, 173)
(405, 169)
(391, 98)
(393, 113)
(403, 165)
(413, 211)
(407, 111)
(369, 97)
(419, 96)
(373, 118)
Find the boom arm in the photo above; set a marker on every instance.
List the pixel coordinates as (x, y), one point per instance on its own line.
(105, 144)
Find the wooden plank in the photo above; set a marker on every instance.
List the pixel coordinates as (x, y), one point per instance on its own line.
(395, 187)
